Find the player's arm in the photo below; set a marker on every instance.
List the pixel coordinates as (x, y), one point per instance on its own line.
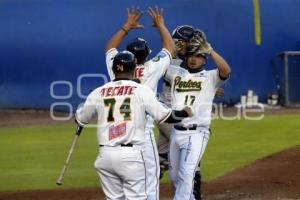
(132, 22)
(85, 113)
(222, 65)
(219, 92)
(159, 111)
(158, 21)
(178, 115)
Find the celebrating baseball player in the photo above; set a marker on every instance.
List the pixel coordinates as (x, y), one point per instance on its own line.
(121, 106)
(148, 72)
(181, 35)
(196, 87)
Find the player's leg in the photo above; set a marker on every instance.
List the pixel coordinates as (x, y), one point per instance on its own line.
(173, 159)
(191, 151)
(152, 165)
(164, 146)
(133, 173)
(111, 183)
(197, 184)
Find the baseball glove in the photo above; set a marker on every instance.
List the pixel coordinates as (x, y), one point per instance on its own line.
(179, 45)
(200, 40)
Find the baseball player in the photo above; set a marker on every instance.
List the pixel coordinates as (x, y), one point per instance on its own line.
(181, 36)
(121, 106)
(148, 72)
(196, 87)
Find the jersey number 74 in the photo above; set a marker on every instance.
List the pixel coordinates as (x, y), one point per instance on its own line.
(124, 109)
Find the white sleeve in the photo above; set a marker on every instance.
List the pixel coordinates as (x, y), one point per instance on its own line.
(161, 62)
(215, 78)
(159, 111)
(169, 74)
(86, 111)
(110, 54)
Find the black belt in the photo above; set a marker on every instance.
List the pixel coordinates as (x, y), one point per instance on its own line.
(181, 128)
(122, 145)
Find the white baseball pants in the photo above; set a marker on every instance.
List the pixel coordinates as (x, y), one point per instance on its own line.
(152, 165)
(122, 172)
(186, 151)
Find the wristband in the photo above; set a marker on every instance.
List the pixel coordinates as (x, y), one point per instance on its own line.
(124, 29)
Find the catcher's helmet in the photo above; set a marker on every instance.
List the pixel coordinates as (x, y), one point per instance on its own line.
(140, 48)
(184, 32)
(123, 62)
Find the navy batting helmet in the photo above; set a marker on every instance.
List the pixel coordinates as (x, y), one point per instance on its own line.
(184, 32)
(123, 62)
(140, 48)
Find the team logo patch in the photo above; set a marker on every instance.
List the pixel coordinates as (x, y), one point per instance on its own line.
(117, 131)
(162, 54)
(156, 59)
(159, 55)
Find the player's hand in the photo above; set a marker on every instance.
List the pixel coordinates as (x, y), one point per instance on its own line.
(219, 92)
(157, 16)
(200, 40)
(188, 110)
(133, 17)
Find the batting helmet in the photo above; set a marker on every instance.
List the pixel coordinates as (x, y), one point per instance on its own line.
(140, 48)
(124, 62)
(184, 32)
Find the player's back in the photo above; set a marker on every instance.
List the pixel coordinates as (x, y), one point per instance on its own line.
(122, 116)
(121, 106)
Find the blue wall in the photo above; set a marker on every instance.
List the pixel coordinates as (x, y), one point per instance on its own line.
(42, 41)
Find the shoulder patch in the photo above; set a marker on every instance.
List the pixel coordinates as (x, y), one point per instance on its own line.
(161, 54)
(156, 59)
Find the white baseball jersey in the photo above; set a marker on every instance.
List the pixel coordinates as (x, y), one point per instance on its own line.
(196, 90)
(166, 88)
(149, 73)
(121, 106)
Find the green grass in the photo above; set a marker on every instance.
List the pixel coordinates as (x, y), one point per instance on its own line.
(32, 157)
(237, 143)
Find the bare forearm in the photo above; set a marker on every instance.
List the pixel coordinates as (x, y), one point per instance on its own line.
(132, 22)
(117, 38)
(158, 22)
(167, 41)
(222, 65)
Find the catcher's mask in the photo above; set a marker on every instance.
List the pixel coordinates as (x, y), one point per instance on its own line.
(140, 48)
(123, 62)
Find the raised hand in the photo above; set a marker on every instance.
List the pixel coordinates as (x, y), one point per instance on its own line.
(133, 17)
(157, 16)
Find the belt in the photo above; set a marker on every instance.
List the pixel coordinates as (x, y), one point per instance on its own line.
(181, 128)
(122, 145)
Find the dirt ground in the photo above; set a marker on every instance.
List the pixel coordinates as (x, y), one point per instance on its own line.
(274, 177)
